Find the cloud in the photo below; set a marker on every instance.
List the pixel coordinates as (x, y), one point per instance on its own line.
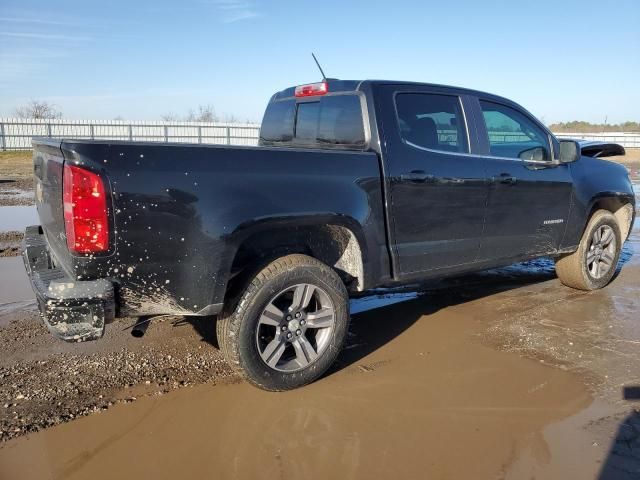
(22, 20)
(31, 46)
(232, 11)
(44, 36)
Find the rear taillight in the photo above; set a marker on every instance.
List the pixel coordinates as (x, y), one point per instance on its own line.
(312, 89)
(85, 211)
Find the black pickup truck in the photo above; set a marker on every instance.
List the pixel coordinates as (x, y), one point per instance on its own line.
(355, 185)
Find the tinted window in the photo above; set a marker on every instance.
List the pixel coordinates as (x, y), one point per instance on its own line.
(341, 121)
(330, 121)
(432, 121)
(307, 122)
(277, 124)
(512, 134)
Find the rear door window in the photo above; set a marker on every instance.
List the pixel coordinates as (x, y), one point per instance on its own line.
(432, 121)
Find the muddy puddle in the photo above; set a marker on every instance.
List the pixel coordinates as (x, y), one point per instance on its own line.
(598, 442)
(414, 394)
(495, 374)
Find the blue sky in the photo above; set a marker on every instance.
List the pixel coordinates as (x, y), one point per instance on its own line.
(139, 59)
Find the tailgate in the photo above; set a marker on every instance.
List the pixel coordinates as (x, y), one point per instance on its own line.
(47, 169)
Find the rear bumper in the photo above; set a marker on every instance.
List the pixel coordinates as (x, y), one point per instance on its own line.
(74, 311)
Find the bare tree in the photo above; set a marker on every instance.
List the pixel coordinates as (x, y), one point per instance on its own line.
(170, 117)
(204, 113)
(38, 109)
(231, 118)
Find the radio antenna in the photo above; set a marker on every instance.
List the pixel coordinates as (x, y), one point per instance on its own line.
(324, 77)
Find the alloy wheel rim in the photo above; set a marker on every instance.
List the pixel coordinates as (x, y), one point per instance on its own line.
(295, 327)
(601, 252)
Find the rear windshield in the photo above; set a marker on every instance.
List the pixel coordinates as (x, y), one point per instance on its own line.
(332, 121)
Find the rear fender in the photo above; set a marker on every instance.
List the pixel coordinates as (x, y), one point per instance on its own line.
(342, 244)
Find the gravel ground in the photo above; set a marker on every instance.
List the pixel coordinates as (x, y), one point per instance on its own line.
(16, 191)
(10, 243)
(16, 180)
(44, 381)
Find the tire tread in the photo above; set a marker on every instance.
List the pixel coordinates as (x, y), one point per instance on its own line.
(229, 322)
(570, 268)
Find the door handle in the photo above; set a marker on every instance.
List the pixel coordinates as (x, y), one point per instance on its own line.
(417, 176)
(504, 178)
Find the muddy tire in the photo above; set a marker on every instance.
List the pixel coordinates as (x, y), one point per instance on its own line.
(288, 325)
(594, 263)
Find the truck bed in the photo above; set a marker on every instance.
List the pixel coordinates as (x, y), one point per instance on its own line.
(178, 211)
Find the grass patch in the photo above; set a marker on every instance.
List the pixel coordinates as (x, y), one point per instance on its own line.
(16, 164)
(633, 155)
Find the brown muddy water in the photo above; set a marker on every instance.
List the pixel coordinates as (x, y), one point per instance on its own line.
(504, 374)
(417, 397)
(434, 387)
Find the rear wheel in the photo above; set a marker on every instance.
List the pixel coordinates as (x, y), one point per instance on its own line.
(289, 324)
(594, 263)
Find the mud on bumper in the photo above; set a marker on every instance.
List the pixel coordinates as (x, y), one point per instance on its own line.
(72, 310)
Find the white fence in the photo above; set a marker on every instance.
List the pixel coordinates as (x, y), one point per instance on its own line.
(16, 134)
(627, 140)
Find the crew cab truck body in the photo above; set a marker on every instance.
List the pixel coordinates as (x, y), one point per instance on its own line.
(355, 185)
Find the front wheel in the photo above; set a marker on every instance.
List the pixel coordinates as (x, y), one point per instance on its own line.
(289, 324)
(593, 265)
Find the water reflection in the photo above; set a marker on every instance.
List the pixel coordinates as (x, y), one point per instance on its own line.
(18, 217)
(18, 288)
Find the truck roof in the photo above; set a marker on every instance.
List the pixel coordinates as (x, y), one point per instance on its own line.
(337, 85)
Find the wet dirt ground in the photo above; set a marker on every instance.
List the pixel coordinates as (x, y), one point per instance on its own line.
(504, 374)
(17, 209)
(16, 181)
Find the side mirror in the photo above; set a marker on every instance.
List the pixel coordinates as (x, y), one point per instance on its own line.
(570, 151)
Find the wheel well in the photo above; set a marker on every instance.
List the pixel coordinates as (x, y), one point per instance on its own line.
(334, 245)
(621, 209)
